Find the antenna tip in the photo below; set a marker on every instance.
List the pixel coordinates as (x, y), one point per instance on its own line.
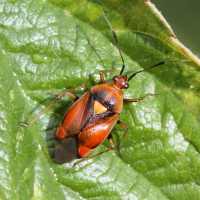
(184, 60)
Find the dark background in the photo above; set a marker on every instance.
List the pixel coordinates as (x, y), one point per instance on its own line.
(184, 18)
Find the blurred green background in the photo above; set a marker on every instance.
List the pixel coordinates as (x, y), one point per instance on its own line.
(184, 18)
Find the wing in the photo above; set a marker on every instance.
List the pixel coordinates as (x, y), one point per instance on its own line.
(95, 132)
(76, 116)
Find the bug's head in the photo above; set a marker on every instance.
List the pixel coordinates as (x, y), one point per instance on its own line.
(121, 82)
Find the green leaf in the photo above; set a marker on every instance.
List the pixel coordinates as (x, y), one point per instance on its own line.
(47, 46)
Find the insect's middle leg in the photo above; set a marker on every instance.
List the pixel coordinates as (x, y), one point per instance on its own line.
(125, 127)
(71, 95)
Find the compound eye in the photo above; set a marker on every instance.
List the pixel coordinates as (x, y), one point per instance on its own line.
(115, 78)
(126, 86)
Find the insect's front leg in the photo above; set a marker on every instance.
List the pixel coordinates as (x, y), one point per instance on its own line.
(136, 100)
(125, 127)
(103, 71)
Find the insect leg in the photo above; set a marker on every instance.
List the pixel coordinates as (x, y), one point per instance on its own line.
(61, 95)
(71, 95)
(125, 127)
(136, 100)
(112, 145)
(109, 70)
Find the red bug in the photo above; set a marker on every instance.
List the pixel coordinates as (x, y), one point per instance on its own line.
(90, 120)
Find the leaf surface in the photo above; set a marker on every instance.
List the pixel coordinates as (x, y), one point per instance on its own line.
(47, 46)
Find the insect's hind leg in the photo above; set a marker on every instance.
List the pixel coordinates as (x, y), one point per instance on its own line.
(61, 95)
(112, 145)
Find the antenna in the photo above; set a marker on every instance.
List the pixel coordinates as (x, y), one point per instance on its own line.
(115, 37)
(161, 63)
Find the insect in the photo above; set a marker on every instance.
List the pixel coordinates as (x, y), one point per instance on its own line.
(90, 120)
